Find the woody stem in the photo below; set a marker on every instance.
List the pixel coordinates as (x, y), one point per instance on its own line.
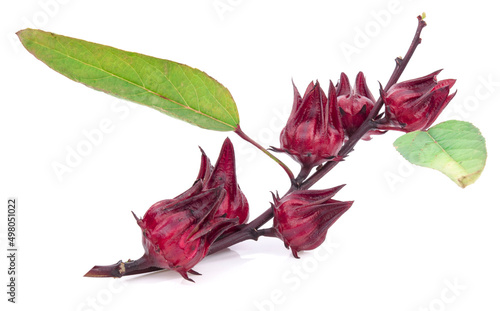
(119, 269)
(248, 234)
(251, 230)
(402, 62)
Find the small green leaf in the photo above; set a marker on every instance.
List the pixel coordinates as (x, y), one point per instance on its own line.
(175, 89)
(455, 148)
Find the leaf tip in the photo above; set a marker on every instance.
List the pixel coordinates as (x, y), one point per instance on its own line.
(468, 180)
(21, 32)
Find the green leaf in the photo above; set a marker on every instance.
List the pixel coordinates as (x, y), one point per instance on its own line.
(175, 89)
(455, 148)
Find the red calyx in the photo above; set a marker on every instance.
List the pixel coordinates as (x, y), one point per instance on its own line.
(303, 217)
(178, 233)
(313, 133)
(415, 104)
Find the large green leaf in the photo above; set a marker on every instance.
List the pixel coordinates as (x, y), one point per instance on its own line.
(175, 89)
(455, 148)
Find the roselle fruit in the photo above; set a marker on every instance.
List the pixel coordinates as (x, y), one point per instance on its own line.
(313, 133)
(354, 103)
(177, 233)
(302, 218)
(415, 104)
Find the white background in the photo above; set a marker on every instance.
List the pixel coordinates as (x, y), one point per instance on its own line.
(413, 240)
